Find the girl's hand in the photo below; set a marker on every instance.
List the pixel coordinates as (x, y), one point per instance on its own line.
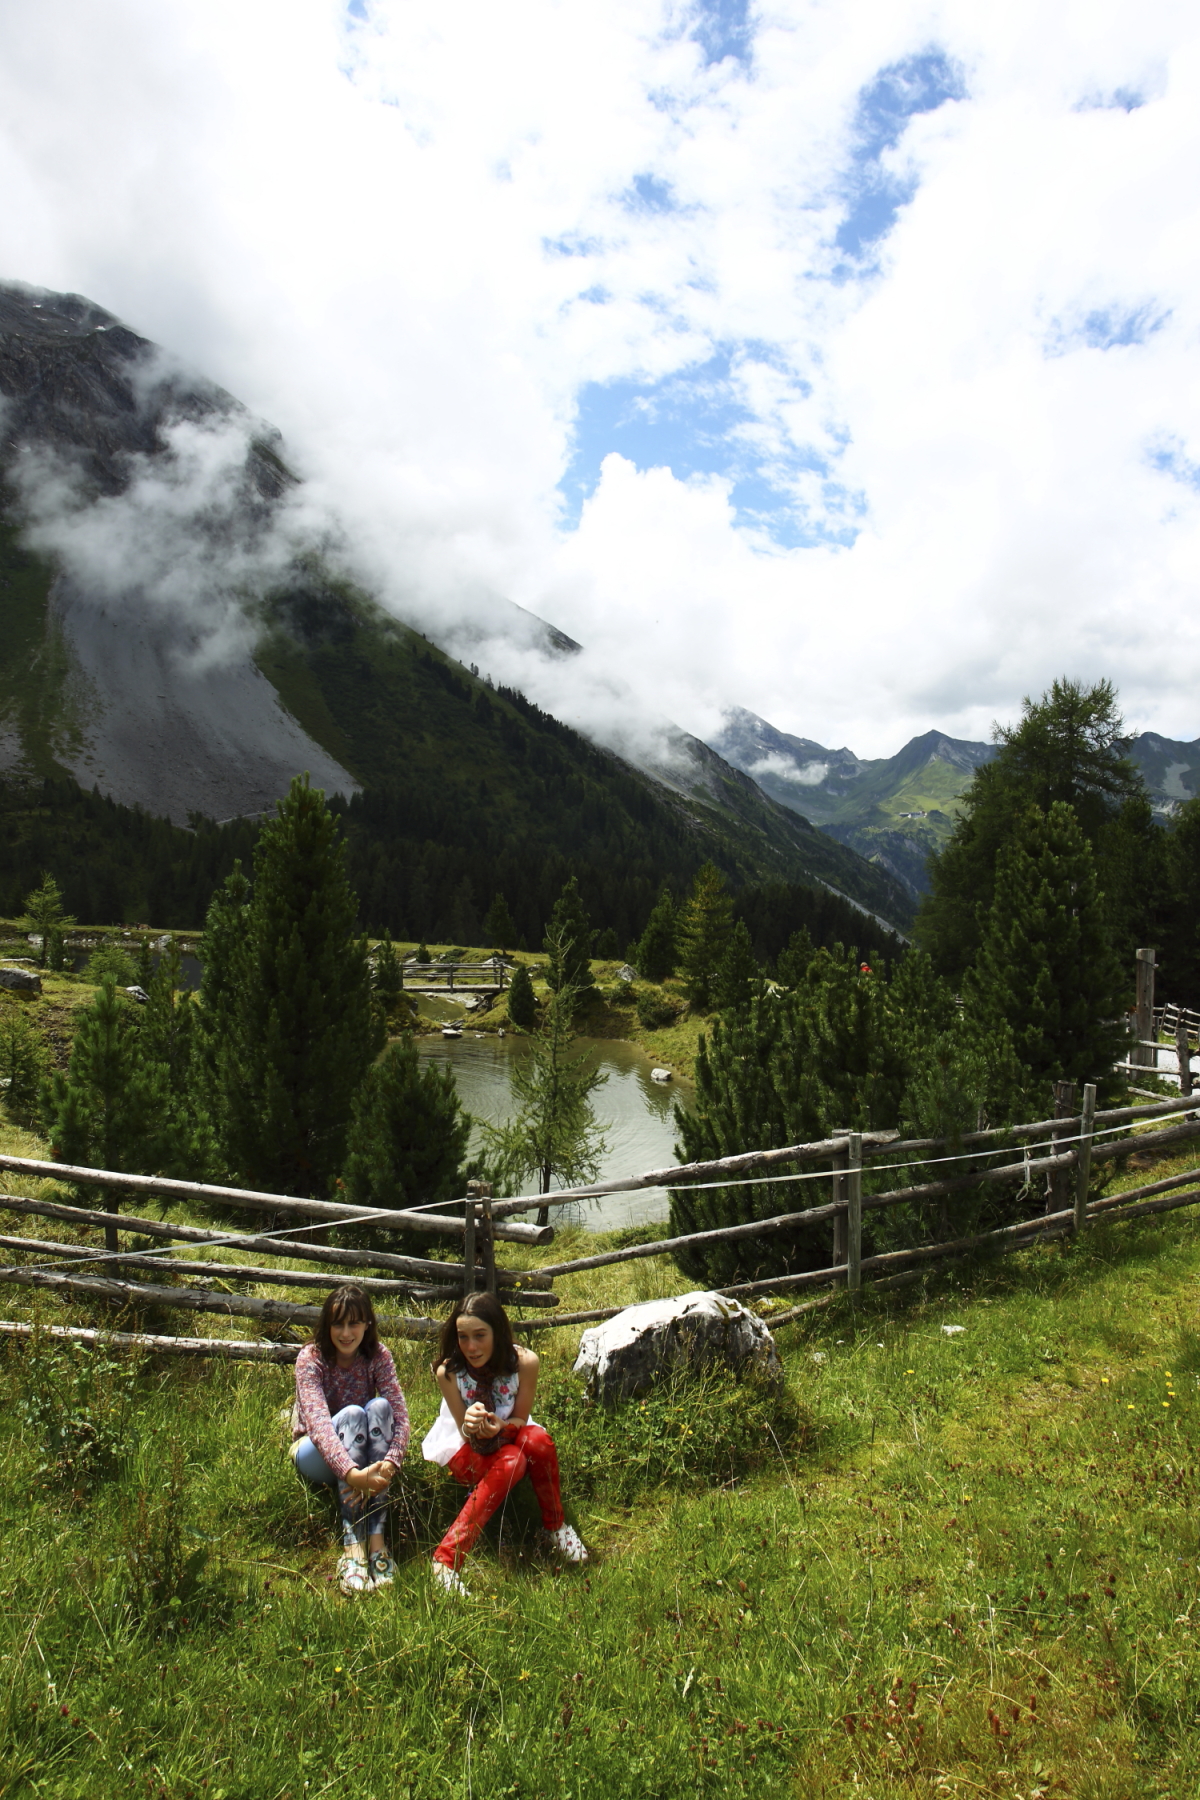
(370, 1480)
(478, 1422)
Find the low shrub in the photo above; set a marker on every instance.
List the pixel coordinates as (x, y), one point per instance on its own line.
(711, 1429)
(655, 1010)
(76, 1407)
(110, 959)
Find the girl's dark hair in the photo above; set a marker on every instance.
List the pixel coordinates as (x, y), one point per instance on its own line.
(503, 1359)
(346, 1306)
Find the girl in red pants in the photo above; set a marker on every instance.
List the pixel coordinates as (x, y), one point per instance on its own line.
(484, 1435)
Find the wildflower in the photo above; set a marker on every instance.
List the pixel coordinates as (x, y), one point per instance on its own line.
(1130, 1407)
(524, 1675)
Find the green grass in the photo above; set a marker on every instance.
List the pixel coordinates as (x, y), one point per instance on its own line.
(935, 1565)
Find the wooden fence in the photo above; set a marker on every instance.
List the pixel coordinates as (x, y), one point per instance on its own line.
(1056, 1155)
(485, 977)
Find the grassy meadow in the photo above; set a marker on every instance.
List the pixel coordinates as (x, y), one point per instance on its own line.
(937, 1563)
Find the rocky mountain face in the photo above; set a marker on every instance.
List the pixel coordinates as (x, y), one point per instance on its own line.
(893, 810)
(897, 810)
(170, 638)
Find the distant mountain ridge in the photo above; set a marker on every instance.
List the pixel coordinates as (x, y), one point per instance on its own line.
(896, 810)
(202, 674)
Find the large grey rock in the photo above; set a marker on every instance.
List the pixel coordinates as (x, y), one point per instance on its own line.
(628, 1354)
(23, 979)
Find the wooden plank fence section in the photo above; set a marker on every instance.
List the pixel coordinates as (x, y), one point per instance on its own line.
(1073, 1146)
(237, 1349)
(272, 1246)
(334, 1212)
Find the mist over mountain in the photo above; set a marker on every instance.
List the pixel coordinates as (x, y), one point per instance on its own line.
(185, 629)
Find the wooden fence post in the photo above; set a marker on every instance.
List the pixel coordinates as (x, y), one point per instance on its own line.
(854, 1214)
(837, 1194)
(1183, 1053)
(469, 1246)
(1084, 1172)
(489, 1244)
(1064, 1108)
(1143, 1025)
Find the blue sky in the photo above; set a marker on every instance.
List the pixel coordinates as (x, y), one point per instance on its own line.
(696, 421)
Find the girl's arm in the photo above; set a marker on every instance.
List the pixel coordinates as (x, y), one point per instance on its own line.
(527, 1364)
(450, 1394)
(386, 1385)
(314, 1413)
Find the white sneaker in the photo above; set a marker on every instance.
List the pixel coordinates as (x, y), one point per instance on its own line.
(568, 1543)
(449, 1582)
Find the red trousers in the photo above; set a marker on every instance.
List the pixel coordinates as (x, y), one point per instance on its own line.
(527, 1450)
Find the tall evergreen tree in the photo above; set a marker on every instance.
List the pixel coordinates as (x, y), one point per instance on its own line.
(44, 915)
(170, 1029)
(704, 930)
(737, 972)
(112, 1109)
(1046, 967)
(407, 1143)
(655, 954)
(1068, 749)
(291, 1026)
(568, 945)
(387, 980)
(522, 1005)
(498, 928)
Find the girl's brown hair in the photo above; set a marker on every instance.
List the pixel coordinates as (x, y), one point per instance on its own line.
(503, 1359)
(346, 1306)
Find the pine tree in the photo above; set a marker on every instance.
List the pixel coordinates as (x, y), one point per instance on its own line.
(553, 1134)
(170, 1035)
(568, 945)
(704, 930)
(756, 1085)
(795, 958)
(290, 1023)
(737, 972)
(388, 979)
(406, 1145)
(23, 1064)
(112, 1109)
(498, 928)
(654, 955)
(522, 1006)
(45, 915)
(1046, 967)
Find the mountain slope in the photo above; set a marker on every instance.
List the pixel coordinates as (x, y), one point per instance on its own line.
(171, 638)
(893, 810)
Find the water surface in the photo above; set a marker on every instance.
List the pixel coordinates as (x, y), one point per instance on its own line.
(634, 1113)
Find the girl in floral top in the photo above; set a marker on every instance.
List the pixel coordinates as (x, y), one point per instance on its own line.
(350, 1430)
(484, 1435)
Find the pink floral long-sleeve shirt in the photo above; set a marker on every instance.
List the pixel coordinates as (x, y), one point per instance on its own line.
(322, 1389)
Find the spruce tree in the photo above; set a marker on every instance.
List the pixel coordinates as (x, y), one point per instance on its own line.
(655, 954)
(795, 957)
(112, 1109)
(23, 1063)
(498, 928)
(291, 1026)
(1046, 968)
(44, 915)
(737, 972)
(522, 1006)
(704, 930)
(756, 1087)
(388, 980)
(568, 945)
(406, 1145)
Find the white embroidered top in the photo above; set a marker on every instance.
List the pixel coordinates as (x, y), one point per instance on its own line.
(444, 1440)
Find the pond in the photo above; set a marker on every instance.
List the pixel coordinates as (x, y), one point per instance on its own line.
(634, 1113)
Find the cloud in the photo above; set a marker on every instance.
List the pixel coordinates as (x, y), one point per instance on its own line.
(836, 362)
